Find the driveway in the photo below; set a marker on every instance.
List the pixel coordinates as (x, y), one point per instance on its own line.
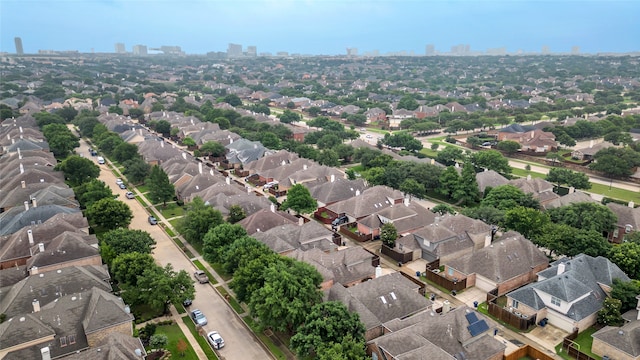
(239, 341)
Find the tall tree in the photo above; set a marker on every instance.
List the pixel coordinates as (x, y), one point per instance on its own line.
(626, 292)
(627, 257)
(388, 234)
(198, 219)
(92, 191)
(290, 290)
(109, 213)
(586, 216)
(218, 239)
(574, 179)
(249, 277)
(127, 268)
(60, 139)
(236, 213)
(468, 192)
(78, 170)
(492, 160)
(527, 221)
(136, 170)
(327, 322)
(160, 286)
(412, 188)
(505, 197)
(509, 146)
(241, 251)
(299, 199)
(123, 241)
(609, 314)
(160, 189)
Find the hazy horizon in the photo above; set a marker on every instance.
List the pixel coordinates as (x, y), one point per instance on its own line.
(321, 27)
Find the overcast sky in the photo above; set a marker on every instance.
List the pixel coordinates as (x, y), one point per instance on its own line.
(322, 26)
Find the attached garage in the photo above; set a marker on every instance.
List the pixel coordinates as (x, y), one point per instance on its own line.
(484, 284)
(560, 321)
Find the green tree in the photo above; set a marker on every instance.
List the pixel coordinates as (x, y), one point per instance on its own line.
(290, 290)
(626, 292)
(249, 277)
(197, 221)
(488, 214)
(127, 268)
(505, 197)
(212, 148)
(609, 314)
(527, 221)
(160, 189)
(327, 322)
(449, 182)
(289, 116)
(442, 209)
(241, 251)
(109, 213)
(586, 216)
(60, 139)
(388, 234)
(115, 109)
(45, 118)
(328, 157)
(86, 125)
(408, 102)
(413, 188)
(314, 111)
(158, 341)
(562, 176)
(218, 239)
(233, 100)
(329, 141)
(492, 160)
(299, 199)
(236, 213)
(92, 191)
(125, 151)
(122, 241)
(467, 192)
(554, 156)
(78, 170)
(163, 127)
(508, 146)
(136, 170)
(67, 113)
(159, 286)
(627, 257)
(347, 349)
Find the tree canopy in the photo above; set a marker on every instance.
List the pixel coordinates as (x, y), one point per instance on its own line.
(160, 189)
(491, 160)
(197, 221)
(109, 213)
(585, 216)
(78, 170)
(567, 177)
(218, 239)
(300, 200)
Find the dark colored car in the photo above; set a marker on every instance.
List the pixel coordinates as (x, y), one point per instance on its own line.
(187, 302)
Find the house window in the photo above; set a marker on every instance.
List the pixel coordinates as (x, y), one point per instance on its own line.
(71, 339)
(63, 341)
(555, 301)
(628, 228)
(514, 304)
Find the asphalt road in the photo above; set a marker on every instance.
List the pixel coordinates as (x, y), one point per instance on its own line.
(239, 342)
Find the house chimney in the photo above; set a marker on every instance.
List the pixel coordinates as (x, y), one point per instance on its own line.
(21, 168)
(33, 270)
(41, 247)
(572, 189)
(487, 240)
(23, 184)
(36, 305)
(30, 236)
(304, 167)
(26, 205)
(378, 271)
(184, 156)
(272, 208)
(357, 192)
(34, 202)
(529, 177)
(446, 306)
(227, 180)
(200, 168)
(590, 144)
(631, 204)
(561, 268)
(333, 177)
(300, 221)
(45, 353)
(162, 144)
(405, 201)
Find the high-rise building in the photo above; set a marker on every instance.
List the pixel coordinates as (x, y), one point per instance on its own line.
(139, 50)
(575, 50)
(430, 50)
(19, 49)
(545, 50)
(352, 51)
(120, 49)
(234, 50)
(252, 51)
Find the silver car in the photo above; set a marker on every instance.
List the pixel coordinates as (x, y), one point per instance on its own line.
(198, 317)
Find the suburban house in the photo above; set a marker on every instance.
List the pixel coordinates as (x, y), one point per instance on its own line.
(489, 178)
(242, 151)
(74, 323)
(569, 293)
(289, 237)
(365, 203)
(461, 333)
(332, 190)
(447, 238)
(541, 189)
(375, 114)
(588, 152)
(380, 300)
(572, 197)
(508, 263)
(406, 218)
(348, 266)
(620, 343)
(628, 221)
(529, 138)
(266, 219)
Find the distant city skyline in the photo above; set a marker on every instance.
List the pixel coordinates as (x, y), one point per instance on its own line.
(324, 26)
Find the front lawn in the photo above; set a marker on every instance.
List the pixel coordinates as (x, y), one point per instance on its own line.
(172, 210)
(174, 334)
(201, 339)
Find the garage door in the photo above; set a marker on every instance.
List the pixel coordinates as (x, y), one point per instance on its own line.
(484, 284)
(559, 321)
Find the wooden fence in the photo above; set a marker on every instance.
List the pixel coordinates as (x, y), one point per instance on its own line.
(400, 258)
(528, 351)
(515, 320)
(423, 287)
(569, 346)
(446, 283)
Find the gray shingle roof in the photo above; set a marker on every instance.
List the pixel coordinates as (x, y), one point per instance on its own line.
(625, 338)
(13, 221)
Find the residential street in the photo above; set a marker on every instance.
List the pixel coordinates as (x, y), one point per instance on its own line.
(240, 343)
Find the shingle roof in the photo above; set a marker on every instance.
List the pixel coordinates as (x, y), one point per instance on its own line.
(14, 220)
(573, 198)
(368, 202)
(266, 219)
(625, 338)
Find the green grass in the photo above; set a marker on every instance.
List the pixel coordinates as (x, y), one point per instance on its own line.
(169, 231)
(143, 188)
(199, 265)
(201, 339)
(174, 334)
(232, 301)
(615, 193)
(179, 307)
(524, 173)
(585, 340)
(143, 312)
(217, 267)
(275, 351)
(172, 210)
(175, 223)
